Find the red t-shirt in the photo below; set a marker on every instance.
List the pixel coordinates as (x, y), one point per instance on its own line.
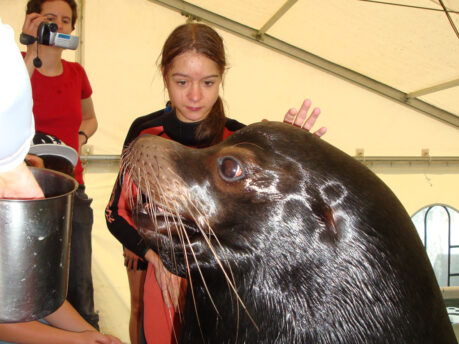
(57, 105)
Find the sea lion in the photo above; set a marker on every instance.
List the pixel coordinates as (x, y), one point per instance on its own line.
(284, 239)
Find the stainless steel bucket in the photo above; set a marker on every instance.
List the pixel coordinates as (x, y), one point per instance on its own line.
(34, 249)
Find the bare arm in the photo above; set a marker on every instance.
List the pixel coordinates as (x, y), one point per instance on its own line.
(67, 327)
(67, 318)
(89, 121)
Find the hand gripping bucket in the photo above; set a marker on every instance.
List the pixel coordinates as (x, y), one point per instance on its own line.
(34, 249)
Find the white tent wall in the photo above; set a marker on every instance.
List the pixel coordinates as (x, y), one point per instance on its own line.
(120, 45)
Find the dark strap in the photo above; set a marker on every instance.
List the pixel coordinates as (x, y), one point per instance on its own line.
(26, 39)
(84, 134)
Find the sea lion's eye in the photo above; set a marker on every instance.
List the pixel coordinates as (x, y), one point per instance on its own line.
(230, 169)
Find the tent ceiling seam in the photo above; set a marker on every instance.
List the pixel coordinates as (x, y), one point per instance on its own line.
(244, 31)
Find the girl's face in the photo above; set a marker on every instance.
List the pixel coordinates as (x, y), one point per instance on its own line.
(193, 83)
(58, 12)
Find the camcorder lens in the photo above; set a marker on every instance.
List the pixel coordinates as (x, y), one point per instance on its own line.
(52, 27)
(44, 32)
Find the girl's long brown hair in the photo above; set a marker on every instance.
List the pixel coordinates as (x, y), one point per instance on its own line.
(203, 40)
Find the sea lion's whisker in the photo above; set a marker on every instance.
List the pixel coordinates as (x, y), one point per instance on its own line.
(230, 281)
(199, 269)
(211, 233)
(184, 235)
(190, 279)
(156, 190)
(180, 233)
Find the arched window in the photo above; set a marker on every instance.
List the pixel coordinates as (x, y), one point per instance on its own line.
(438, 228)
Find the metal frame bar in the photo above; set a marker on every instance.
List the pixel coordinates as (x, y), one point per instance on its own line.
(432, 89)
(239, 29)
(275, 17)
(450, 160)
(111, 163)
(451, 21)
(409, 6)
(79, 55)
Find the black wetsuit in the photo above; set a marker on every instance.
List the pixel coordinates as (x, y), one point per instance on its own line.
(162, 123)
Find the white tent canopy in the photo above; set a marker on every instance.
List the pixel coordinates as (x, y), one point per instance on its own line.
(361, 62)
(384, 46)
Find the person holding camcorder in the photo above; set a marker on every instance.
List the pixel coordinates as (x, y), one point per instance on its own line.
(47, 35)
(63, 107)
(42, 30)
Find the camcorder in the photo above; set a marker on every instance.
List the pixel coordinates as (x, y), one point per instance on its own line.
(47, 35)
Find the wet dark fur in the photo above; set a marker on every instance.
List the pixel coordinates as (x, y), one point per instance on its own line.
(318, 248)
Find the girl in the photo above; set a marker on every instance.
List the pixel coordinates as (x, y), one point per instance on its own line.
(192, 64)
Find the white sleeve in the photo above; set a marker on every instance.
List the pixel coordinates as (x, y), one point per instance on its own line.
(16, 118)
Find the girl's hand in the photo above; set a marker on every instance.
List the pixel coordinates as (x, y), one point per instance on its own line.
(130, 259)
(169, 283)
(170, 286)
(300, 118)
